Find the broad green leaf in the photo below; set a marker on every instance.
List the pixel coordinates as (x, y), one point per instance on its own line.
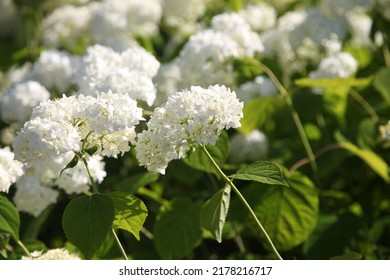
(333, 83)
(288, 214)
(219, 152)
(9, 218)
(177, 230)
(132, 183)
(376, 163)
(235, 5)
(214, 212)
(130, 212)
(87, 220)
(257, 113)
(381, 83)
(265, 172)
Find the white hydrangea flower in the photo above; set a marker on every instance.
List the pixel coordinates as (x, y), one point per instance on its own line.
(129, 72)
(79, 122)
(53, 254)
(32, 197)
(18, 101)
(248, 148)
(235, 26)
(66, 25)
(339, 65)
(42, 138)
(167, 81)
(260, 16)
(117, 19)
(259, 87)
(336, 8)
(182, 15)
(10, 169)
(360, 25)
(189, 117)
(73, 180)
(385, 131)
(54, 69)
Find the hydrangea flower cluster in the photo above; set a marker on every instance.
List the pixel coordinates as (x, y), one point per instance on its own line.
(189, 118)
(10, 169)
(77, 123)
(55, 69)
(53, 254)
(338, 65)
(248, 148)
(259, 87)
(19, 100)
(130, 71)
(39, 186)
(206, 58)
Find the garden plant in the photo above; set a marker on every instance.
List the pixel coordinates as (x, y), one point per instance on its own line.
(199, 129)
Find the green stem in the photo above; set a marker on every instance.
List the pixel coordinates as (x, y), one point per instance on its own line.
(96, 190)
(374, 116)
(118, 242)
(296, 119)
(94, 186)
(243, 200)
(25, 249)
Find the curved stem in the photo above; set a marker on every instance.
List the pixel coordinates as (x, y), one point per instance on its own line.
(118, 242)
(243, 200)
(94, 186)
(296, 119)
(374, 116)
(96, 190)
(20, 243)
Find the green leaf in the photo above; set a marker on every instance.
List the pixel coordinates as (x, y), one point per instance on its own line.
(73, 162)
(132, 183)
(257, 113)
(235, 5)
(9, 218)
(214, 212)
(381, 83)
(376, 163)
(130, 212)
(265, 172)
(219, 152)
(334, 83)
(87, 220)
(288, 214)
(177, 230)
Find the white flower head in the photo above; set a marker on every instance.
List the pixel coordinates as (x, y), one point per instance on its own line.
(130, 71)
(32, 197)
(54, 69)
(53, 254)
(189, 117)
(10, 169)
(248, 148)
(18, 102)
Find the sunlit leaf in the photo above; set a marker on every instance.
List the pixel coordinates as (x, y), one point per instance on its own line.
(9, 218)
(130, 212)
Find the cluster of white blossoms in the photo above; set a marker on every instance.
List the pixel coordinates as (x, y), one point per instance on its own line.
(53, 254)
(261, 86)
(55, 69)
(77, 123)
(260, 16)
(189, 118)
(206, 58)
(385, 131)
(248, 148)
(19, 100)
(130, 71)
(338, 65)
(10, 169)
(182, 15)
(39, 186)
